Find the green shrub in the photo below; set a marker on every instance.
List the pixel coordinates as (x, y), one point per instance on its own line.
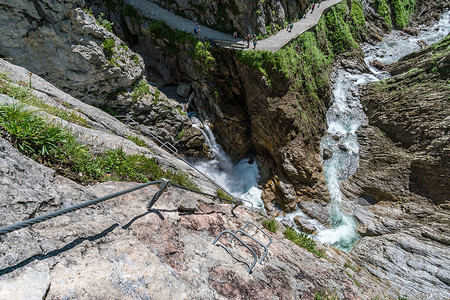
(203, 55)
(141, 89)
(303, 240)
(271, 225)
(108, 47)
(105, 23)
(180, 134)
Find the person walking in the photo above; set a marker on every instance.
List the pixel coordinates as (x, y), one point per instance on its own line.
(312, 7)
(291, 26)
(197, 30)
(255, 40)
(248, 38)
(320, 1)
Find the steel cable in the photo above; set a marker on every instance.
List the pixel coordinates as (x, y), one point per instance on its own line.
(63, 211)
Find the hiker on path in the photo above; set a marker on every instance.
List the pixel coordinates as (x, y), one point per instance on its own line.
(312, 7)
(248, 38)
(320, 1)
(197, 30)
(255, 40)
(291, 26)
(235, 35)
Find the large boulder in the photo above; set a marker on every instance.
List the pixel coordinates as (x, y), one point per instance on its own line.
(66, 45)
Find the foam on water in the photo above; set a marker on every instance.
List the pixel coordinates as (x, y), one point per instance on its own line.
(240, 179)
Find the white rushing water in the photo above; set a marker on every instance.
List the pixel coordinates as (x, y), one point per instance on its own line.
(241, 179)
(345, 116)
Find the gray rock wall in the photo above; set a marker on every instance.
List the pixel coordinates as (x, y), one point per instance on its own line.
(61, 42)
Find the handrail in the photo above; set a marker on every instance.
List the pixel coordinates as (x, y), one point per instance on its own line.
(249, 236)
(165, 184)
(255, 257)
(229, 44)
(29, 222)
(265, 246)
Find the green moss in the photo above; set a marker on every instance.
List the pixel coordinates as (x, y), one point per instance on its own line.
(358, 24)
(383, 10)
(402, 10)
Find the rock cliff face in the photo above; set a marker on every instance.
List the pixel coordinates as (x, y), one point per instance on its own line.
(61, 42)
(400, 191)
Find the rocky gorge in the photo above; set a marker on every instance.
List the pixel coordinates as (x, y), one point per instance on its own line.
(258, 104)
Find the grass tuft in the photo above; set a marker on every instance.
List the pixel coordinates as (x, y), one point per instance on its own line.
(303, 241)
(270, 224)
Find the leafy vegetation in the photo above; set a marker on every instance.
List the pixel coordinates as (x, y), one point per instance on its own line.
(109, 48)
(402, 10)
(141, 89)
(24, 94)
(383, 10)
(105, 23)
(270, 224)
(303, 241)
(57, 147)
(180, 134)
(31, 135)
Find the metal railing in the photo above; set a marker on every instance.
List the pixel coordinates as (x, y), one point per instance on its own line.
(165, 184)
(29, 222)
(242, 231)
(230, 45)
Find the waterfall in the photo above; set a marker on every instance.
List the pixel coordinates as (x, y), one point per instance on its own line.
(241, 179)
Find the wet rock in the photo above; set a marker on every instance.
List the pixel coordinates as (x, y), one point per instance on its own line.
(404, 174)
(411, 31)
(378, 64)
(422, 44)
(327, 153)
(305, 225)
(335, 137)
(343, 147)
